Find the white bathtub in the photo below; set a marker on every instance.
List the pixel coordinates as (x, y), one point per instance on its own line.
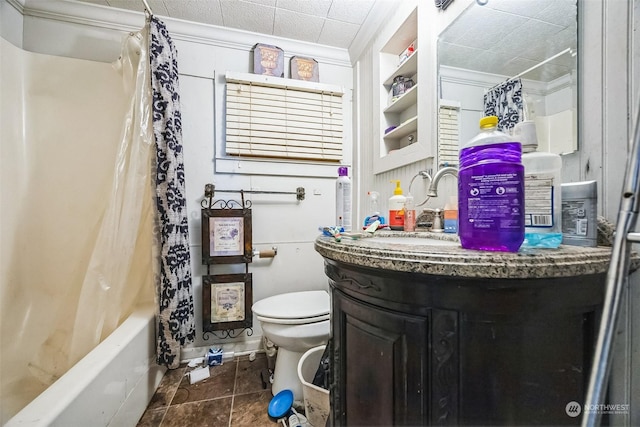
(112, 385)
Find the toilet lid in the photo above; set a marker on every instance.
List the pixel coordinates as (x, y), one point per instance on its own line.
(294, 305)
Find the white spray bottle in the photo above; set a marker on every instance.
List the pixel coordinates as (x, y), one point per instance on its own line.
(373, 208)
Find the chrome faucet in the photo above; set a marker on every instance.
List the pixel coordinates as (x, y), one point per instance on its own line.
(433, 187)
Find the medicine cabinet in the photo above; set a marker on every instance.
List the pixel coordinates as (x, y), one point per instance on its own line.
(539, 50)
(399, 141)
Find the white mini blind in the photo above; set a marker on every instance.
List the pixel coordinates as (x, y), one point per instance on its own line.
(448, 135)
(265, 119)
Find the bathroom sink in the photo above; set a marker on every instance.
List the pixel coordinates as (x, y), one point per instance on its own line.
(414, 241)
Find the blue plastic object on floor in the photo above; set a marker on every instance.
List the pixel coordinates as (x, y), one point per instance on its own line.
(280, 404)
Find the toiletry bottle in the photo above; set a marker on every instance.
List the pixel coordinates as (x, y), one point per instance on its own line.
(343, 199)
(409, 213)
(294, 420)
(542, 191)
(396, 208)
(579, 213)
(451, 216)
(491, 191)
(373, 208)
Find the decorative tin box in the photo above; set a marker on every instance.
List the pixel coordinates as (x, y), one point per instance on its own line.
(304, 68)
(268, 60)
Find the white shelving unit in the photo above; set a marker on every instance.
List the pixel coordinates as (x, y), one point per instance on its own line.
(401, 145)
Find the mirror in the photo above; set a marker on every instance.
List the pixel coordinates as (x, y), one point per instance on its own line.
(494, 52)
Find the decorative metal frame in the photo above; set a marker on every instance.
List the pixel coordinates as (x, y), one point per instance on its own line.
(226, 303)
(231, 219)
(226, 236)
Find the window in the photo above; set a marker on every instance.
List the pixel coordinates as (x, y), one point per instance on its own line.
(282, 118)
(448, 133)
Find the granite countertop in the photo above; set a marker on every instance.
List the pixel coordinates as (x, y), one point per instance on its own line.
(452, 260)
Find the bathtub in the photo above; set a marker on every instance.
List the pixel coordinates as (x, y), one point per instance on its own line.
(112, 385)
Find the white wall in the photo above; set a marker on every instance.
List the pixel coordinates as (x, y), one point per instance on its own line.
(11, 22)
(205, 53)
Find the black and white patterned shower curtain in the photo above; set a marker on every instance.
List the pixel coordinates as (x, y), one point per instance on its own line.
(176, 323)
(505, 102)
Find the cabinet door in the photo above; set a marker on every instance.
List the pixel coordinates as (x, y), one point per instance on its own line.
(379, 371)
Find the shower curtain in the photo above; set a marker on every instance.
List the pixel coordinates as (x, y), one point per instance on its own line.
(143, 236)
(118, 270)
(176, 323)
(505, 102)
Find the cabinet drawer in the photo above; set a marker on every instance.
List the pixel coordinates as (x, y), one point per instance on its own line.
(406, 291)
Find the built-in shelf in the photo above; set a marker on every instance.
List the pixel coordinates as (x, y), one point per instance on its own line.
(407, 128)
(408, 68)
(402, 145)
(405, 101)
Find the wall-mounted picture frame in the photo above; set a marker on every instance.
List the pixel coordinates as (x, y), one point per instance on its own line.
(226, 236)
(226, 302)
(268, 60)
(304, 69)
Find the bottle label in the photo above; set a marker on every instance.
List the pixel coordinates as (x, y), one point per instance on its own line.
(494, 201)
(343, 205)
(396, 219)
(450, 221)
(410, 220)
(575, 220)
(538, 200)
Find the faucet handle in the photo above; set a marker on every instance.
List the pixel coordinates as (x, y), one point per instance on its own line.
(437, 221)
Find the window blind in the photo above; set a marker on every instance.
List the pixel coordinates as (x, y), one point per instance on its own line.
(264, 119)
(448, 135)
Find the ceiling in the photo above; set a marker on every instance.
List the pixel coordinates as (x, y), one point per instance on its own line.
(502, 37)
(328, 22)
(508, 37)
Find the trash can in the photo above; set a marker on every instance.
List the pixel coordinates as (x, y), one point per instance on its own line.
(316, 399)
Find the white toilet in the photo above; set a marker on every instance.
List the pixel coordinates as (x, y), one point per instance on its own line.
(295, 322)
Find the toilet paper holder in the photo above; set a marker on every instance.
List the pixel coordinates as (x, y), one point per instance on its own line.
(269, 253)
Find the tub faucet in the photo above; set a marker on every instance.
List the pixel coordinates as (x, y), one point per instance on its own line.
(433, 187)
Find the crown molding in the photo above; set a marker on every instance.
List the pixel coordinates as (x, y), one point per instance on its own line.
(488, 80)
(94, 15)
(17, 5)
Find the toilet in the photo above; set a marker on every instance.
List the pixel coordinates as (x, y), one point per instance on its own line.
(295, 322)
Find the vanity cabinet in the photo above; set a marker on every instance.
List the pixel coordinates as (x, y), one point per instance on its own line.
(379, 373)
(422, 349)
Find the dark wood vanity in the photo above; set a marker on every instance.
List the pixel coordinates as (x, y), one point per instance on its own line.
(415, 348)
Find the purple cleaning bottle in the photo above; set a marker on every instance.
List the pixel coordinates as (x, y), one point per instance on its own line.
(491, 191)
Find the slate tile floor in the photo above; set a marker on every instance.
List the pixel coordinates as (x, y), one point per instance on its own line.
(232, 396)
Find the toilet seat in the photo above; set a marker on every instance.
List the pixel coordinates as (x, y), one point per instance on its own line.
(294, 308)
(294, 321)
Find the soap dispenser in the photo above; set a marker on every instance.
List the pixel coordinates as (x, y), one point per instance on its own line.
(396, 208)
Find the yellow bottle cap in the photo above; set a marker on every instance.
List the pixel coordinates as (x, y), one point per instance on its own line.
(488, 122)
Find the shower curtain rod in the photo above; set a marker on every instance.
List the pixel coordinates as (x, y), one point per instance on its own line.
(533, 68)
(146, 7)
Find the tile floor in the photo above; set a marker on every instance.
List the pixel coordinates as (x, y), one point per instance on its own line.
(232, 396)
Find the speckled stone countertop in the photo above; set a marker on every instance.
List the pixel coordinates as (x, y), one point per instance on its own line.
(452, 260)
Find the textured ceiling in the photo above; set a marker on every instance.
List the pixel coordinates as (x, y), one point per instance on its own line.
(508, 37)
(327, 22)
(502, 37)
